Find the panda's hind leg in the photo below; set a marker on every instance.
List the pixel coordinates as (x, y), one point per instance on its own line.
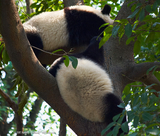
(36, 41)
(111, 101)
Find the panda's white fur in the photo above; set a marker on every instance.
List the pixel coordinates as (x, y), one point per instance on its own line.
(87, 89)
(51, 26)
(54, 30)
(94, 82)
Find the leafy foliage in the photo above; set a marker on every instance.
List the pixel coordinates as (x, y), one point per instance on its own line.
(142, 106)
(143, 109)
(47, 5)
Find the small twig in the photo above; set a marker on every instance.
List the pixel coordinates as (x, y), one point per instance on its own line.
(65, 53)
(137, 85)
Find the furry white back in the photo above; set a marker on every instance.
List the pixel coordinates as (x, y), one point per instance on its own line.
(83, 88)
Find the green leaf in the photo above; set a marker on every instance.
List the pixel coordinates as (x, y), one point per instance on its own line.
(137, 47)
(129, 40)
(121, 105)
(128, 30)
(154, 132)
(148, 8)
(66, 61)
(152, 69)
(158, 1)
(155, 6)
(115, 130)
(108, 30)
(22, 103)
(108, 127)
(103, 25)
(5, 56)
(121, 31)
(115, 30)
(136, 120)
(57, 51)
(74, 61)
(133, 134)
(142, 15)
(121, 119)
(115, 118)
(135, 101)
(149, 86)
(127, 98)
(131, 115)
(150, 37)
(133, 14)
(110, 133)
(104, 39)
(144, 97)
(107, 34)
(146, 116)
(124, 127)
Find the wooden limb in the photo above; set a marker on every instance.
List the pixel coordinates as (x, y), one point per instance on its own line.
(137, 71)
(62, 131)
(10, 102)
(151, 79)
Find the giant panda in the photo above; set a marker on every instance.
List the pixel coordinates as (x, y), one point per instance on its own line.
(88, 89)
(72, 27)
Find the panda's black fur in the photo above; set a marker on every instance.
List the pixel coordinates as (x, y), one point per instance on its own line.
(68, 28)
(87, 89)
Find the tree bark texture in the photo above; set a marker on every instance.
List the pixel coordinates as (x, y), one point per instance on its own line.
(120, 67)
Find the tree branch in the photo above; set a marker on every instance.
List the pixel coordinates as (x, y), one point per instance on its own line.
(62, 131)
(138, 71)
(10, 102)
(151, 79)
(28, 3)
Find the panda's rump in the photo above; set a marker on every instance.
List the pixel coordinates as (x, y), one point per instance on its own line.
(83, 88)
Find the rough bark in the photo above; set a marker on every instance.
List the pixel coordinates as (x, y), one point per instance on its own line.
(29, 68)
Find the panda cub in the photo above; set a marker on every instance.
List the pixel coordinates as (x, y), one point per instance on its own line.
(87, 89)
(72, 27)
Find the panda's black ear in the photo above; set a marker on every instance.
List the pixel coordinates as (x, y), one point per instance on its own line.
(106, 9)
